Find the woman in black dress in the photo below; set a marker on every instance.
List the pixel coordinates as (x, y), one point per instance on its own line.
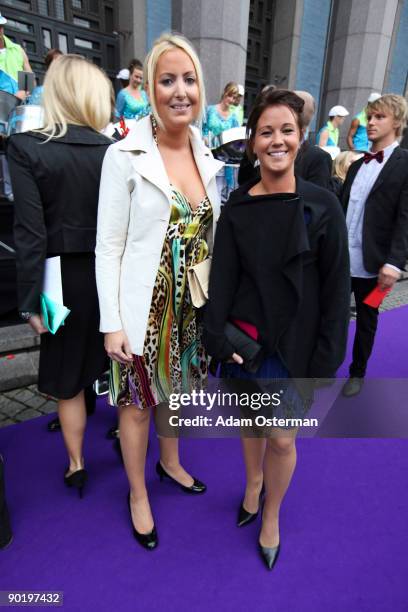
(280, 273)
(55, 173)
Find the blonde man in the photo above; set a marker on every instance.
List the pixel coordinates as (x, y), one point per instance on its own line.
(375, 198)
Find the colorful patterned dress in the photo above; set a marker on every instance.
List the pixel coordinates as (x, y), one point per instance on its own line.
(214, 124)
(174, 359)
(129, 107)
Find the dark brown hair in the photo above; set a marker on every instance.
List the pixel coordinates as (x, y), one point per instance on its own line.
(135, 63)
(272, 97)
(50, 57)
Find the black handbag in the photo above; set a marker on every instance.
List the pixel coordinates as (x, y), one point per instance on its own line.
(251, 351)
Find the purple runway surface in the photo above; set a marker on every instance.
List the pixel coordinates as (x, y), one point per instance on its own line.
(344, 527)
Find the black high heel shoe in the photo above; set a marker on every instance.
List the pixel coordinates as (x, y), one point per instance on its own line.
(196, 487)
(269, 555)
(150, 541)
(245, 517)
(77, 480)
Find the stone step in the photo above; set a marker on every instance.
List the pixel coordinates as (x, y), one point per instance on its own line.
(18, 370)
(19, 356)
(15, 338)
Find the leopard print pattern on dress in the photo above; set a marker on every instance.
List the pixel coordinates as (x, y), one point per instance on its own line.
(174, 359)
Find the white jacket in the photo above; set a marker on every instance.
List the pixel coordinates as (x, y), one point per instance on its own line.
(133, 216)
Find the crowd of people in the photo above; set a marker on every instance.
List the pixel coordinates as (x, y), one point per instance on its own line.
(125, 222)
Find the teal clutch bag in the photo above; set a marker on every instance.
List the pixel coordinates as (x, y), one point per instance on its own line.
(54, 314)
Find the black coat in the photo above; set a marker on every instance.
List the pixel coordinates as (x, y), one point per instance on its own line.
(404, 139)
(311, 164)
(288, 277)
(385, 223)
(56, 187)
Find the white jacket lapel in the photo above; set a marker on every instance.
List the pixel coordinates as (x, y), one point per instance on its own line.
(145, 156)
(148, 162)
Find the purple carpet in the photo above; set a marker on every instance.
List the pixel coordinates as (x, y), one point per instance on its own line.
(343, 523)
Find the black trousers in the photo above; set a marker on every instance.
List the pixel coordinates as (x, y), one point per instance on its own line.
(366, 325)
(5, 528)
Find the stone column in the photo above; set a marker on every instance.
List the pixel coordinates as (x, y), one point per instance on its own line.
(219, 30)
(132, 30)
(287, 28)
(359, 47)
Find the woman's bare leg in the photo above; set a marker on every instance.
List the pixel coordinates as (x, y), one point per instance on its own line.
(279, 465)
(134, 434)
(254, 452)
(170, 460)
(72, 416)
(169, 445)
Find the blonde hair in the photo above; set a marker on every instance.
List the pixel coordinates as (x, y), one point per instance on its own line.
(231, 89)
(342, 163)
(394, 104)
(168, 42)
(75, 92)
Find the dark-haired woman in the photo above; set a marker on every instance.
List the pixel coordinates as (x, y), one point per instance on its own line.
(280, 273)
(37, 93)
(132, 101)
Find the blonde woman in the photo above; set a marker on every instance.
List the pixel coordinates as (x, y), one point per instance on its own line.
(55, 174)
(222, 116)
(157, 211)
(341, 164)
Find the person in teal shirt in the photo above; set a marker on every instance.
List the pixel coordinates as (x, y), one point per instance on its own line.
(328, 135)
(219, 117)
(132, 101)
(37, 93)
(237, 107)
(357, 138)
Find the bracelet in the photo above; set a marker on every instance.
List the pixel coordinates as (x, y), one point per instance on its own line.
(26, 315)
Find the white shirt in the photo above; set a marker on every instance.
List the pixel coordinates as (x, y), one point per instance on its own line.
(360, 190)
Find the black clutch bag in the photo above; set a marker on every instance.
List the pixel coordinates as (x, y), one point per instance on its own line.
(251, 352)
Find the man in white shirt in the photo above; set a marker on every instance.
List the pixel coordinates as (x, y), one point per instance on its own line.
(375, 198)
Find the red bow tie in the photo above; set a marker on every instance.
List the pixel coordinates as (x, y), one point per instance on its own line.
(378, 156)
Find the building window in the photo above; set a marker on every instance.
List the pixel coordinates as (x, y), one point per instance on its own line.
(20, 25)
(109, 26)
(85, 23)
(260, 12)
(313, 48)
(110, 56)
(86, 44)
(60, 9)
(398, 69)
(46, 38)
(93, 6)
(63, 43)
(43, 7)
(77, 4)
(29, 46)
